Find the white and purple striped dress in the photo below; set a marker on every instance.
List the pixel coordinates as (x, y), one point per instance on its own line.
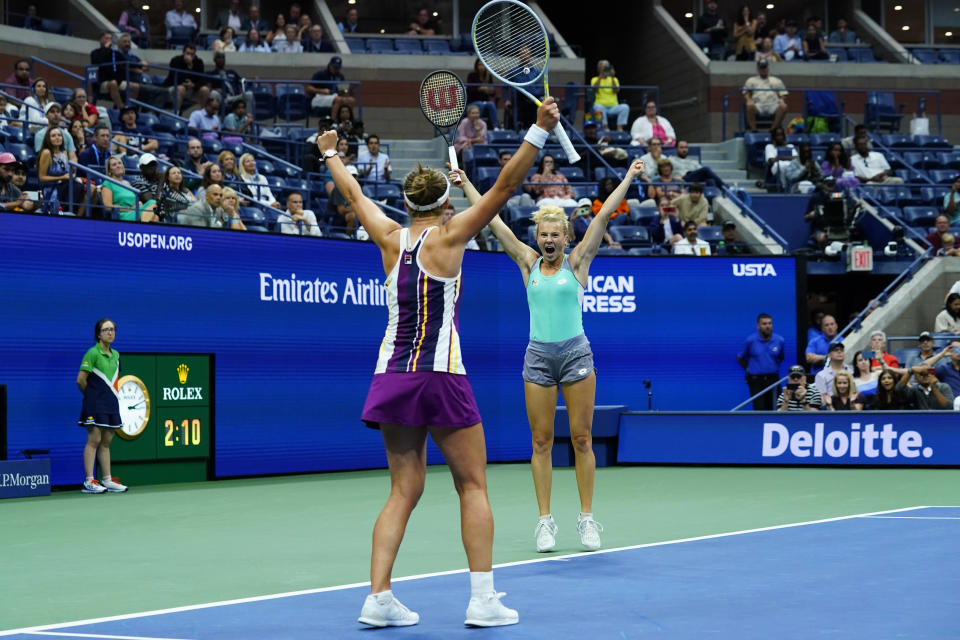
(420, 379)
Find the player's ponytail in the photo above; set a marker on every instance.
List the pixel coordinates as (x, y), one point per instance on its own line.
(425, 191)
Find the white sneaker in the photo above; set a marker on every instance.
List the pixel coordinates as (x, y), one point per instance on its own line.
(112, 485)
(488, 611)
(383, 610)
(546, 535)
(589, 530)
(92, 486)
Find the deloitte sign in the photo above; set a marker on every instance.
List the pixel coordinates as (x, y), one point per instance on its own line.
(903, 438)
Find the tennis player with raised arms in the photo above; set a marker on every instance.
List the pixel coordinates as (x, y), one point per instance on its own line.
(559, 353)
(420, 385)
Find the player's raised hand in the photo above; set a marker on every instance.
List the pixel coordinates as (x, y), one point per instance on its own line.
(327, 140)
(548, 114)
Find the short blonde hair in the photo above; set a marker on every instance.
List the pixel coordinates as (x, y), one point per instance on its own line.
(228, 192)
(853, 385)
(551, 213)
(424, 186)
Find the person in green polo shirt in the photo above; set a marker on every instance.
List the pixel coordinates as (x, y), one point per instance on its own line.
(100, 412)
(559, 353)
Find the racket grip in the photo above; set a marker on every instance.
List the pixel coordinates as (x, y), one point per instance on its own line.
(453, 159)
(572, 155)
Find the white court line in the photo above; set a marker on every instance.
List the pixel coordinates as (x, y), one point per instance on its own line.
(289, 594)
(95, 635)
(911, 517)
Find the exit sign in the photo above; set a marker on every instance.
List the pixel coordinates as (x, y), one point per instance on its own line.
(860, 258)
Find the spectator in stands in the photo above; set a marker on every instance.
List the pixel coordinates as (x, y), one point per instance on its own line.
(650, 125)
(344, 123)
(819, 348)
(692, 206)
(79, 136)
(829, 367)
(177, 17)
(482, 92)
(731, 244)
(11, 197)
(925, 342)
(803, 174)
(691, 244)
(325, 90)
(889, 396)
(140, 86)
(238, 121)
(522, 73)
(798, 394)
(69, 113)
(349, 23)
(150, 178)
(31, 21)
(86, 112)
(761, 357)
(864, 375)
(231, 84)
(948, 320)
(95, 156)
(711, 22)
(288, 42)
(548, 186)
(226, 41)
(254, 43)
(765, 51)
(186, 74)
(20, 77)
(813, 47)
(878, 342)
(665, 183)
(231, 17)
(472, 130)
(204, 212)
(763, 29)
(858, 131)
(817, 23)
(33, 111)
(314, 42)
(174, 195)
(255, 21)
(373, 163)
(212, 175)
(279, 30)
(424, 24)
(947, 370)
(340, 214)
(119, 202)
(778, 155)
(843, 394)
(53, 120)
(665, 229)
(651, 159)
(53, 172)
(132, 134)
(951, 199)
(765, 95)
(580, 221)
(744, 34)
(948, 248)
(229, 207)
(871, 166)
(111, 69)
(814, 213)
(10, 112)
(296, 220)
(836, 163)
(606, 97)
(842, 35)
(605, 188)
(255, 183)
(690, 169)
(136, 23)
(206, 122)
(228, 166)
(929, 393)
(788, 45)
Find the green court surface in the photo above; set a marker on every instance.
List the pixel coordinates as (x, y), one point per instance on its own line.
(73, 556)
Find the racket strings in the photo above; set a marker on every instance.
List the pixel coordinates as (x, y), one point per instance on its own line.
(502, 34)
(443, 99)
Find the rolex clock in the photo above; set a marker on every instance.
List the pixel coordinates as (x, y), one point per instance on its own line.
(134, 407)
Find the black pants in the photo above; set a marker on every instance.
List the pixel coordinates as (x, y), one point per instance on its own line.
(758, 383)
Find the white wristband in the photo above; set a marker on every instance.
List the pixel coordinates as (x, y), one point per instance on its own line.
(537, 136)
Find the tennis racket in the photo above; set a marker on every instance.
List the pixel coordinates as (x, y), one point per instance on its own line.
(443, 101)
(512, 44)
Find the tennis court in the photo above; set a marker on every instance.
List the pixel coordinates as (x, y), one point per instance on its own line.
(856, 571)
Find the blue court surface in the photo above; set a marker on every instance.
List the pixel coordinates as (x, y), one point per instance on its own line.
(893, 574)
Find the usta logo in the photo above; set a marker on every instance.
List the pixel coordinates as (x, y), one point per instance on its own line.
(759, 269)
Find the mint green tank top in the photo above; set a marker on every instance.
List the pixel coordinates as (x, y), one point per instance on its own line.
(554, 303)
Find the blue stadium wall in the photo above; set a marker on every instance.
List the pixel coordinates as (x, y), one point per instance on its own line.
(291, 375)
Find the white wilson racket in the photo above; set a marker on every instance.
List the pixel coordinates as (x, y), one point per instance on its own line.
(443, 101)
(512, 44)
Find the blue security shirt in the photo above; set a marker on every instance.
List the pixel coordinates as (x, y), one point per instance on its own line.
(763, 356)
(946, 372)
(820, 346)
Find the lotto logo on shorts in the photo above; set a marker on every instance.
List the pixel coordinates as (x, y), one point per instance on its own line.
(857, 441)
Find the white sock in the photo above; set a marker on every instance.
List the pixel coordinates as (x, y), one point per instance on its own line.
(105, 478)
(383, 597)
(547, 518)
(481, 583)
(584, 516)
(89, 478)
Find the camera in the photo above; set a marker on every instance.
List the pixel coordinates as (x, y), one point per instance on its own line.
(891, 249)
(793, 386)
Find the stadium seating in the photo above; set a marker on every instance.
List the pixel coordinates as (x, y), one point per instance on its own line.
(920, 216)
(630, 236)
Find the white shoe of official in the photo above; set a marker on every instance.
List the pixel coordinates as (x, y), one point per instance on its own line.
(92, 486)
(546, 535)
(488, 611)
(383, 610)
(589, 530)
(110, 484)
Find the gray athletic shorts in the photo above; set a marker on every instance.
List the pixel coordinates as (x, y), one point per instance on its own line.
(553, 363)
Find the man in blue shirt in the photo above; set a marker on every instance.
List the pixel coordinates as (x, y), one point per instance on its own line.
(948, 369)
(819, 346)
(205, 122)
(761, 357)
